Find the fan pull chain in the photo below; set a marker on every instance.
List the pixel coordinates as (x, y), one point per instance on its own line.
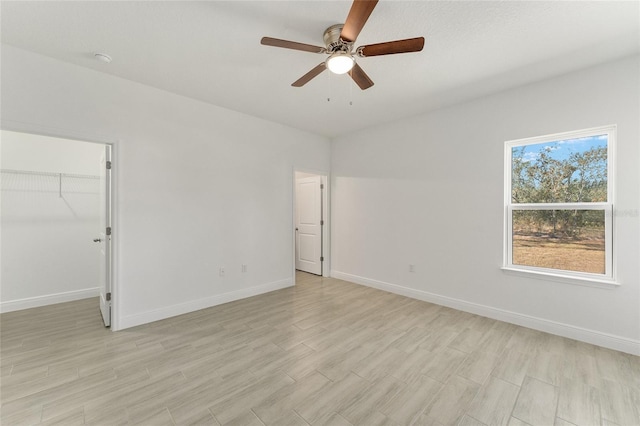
(329, 86)
(350, 92)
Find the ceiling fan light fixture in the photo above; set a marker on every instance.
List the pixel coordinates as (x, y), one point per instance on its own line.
(340, 63)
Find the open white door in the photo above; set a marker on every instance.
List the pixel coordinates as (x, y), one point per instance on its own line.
(105, 236)
(308, 225)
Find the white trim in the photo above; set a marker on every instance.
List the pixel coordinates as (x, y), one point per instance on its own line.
(326, 235)
(560, 206)
(48, 299)
(588, 280)
(195, 305)
(594, 337)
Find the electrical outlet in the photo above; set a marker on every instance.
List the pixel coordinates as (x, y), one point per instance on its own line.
(244, 268)
(412, 268)
(222, 272)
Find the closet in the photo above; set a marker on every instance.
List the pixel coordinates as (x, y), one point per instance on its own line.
(49, 217)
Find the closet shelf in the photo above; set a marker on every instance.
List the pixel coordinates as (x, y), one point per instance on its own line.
(31, 181)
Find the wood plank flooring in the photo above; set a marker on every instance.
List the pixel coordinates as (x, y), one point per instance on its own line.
(325, 352)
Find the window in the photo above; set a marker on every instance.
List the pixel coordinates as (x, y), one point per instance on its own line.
(559, 204)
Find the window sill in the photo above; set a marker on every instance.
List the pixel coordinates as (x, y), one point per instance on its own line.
(565, 279)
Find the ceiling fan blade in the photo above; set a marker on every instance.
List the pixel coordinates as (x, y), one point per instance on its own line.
(360, 77)
(309, 76)
(358, 15)
(392, 47)
(276, 42)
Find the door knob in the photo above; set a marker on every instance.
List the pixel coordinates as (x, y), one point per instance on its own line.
(97, 240)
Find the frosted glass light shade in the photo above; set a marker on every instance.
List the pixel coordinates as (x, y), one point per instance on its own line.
(340, 63)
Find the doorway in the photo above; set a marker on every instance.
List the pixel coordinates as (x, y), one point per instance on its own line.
(56, 220)
(310, 223)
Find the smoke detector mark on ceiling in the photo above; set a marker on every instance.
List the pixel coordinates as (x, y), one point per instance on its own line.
(102, 57)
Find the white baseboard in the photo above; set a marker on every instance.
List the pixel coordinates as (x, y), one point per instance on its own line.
(594, 337)
(195, 305)
(48, 299)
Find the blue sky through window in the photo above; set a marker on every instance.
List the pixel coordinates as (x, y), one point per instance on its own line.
(562, 149)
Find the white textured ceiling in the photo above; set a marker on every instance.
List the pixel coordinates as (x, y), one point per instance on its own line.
(210, 50)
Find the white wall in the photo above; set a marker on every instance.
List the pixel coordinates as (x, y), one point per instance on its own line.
(428, 191)
(48, 255)
(23, 151)
(198, 187)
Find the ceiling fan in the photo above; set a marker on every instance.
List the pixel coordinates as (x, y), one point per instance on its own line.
(339, 40)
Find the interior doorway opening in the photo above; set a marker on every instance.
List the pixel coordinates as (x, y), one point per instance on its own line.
(56, 221)
(311, 224)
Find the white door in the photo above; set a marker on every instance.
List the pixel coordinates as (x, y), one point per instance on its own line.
(308, 227)
(105, 236)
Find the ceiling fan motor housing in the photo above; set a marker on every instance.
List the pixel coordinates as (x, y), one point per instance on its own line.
(333, 41)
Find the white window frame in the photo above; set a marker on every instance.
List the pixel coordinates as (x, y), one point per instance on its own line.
(574, 277)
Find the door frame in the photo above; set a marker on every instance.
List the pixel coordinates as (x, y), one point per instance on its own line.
(325, 178)
(80, 136)
(106, 288)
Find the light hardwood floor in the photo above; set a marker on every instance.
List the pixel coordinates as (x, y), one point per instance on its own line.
(326, 352)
